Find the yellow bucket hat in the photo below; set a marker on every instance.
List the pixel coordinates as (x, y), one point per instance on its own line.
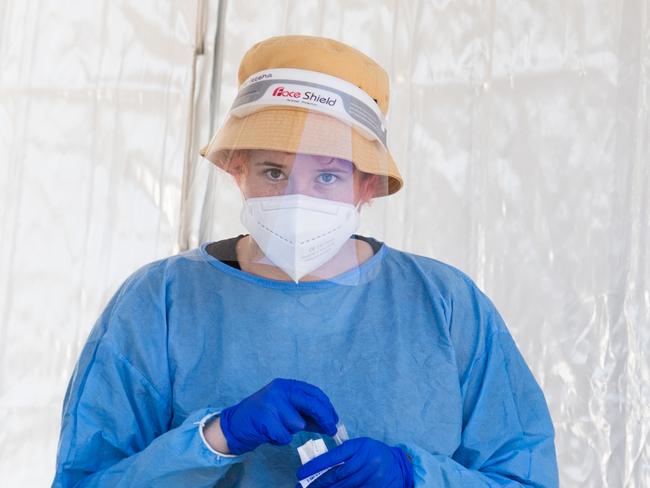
(295, 129)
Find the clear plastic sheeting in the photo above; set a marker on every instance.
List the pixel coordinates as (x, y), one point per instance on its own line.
(94, 102)
(521, 130)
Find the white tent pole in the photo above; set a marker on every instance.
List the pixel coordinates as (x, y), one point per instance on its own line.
(199, 50)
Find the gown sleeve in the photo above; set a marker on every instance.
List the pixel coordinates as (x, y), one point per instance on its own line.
(117, 409)
(507, 434)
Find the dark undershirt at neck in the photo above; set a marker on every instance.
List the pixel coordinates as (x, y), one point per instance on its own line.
(226, 252)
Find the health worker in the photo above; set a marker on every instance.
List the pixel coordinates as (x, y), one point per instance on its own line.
(210, 368)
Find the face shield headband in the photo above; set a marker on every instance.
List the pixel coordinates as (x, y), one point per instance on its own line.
(311, 90)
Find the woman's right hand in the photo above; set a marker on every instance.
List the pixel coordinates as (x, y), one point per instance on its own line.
(276, 412)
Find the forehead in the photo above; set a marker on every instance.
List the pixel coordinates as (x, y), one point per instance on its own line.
(304, 160)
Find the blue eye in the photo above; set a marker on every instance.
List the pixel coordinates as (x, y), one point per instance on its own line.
(327, 178)
(274, 174)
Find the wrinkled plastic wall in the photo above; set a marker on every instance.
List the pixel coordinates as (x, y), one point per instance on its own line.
(94, 99)
(521, 128)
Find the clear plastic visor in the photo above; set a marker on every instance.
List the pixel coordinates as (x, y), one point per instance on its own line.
(305, 176)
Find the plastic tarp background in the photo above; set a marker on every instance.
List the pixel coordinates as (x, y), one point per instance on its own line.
(521, 128)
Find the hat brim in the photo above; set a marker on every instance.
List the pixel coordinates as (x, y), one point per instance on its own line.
(302, 131)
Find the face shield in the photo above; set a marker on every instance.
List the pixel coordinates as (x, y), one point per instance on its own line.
(308, 151)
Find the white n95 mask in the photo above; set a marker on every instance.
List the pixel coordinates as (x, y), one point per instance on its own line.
(298, 233)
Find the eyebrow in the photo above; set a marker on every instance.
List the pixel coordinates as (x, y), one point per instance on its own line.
(332, 166)
(271, 164)
(335, 170)
(337, 166)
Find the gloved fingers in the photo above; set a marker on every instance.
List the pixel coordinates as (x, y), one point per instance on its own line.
(357, 479)
(314, 405)
(354, 466)
(339, 454)
(274, 430)
(401, 458)
(326, 479)
(351, 473)
(292, 420)
(311, 425)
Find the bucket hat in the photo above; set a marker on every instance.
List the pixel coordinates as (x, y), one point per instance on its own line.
(297, 129)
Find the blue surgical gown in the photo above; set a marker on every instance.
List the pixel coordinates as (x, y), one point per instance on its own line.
(407, 348)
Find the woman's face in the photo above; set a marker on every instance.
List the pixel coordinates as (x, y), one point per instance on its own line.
(264, 173)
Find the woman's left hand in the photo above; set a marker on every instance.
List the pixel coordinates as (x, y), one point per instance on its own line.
(366, 463)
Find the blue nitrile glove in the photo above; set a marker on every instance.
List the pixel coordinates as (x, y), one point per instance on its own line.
(276, 412)
(367, 463)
